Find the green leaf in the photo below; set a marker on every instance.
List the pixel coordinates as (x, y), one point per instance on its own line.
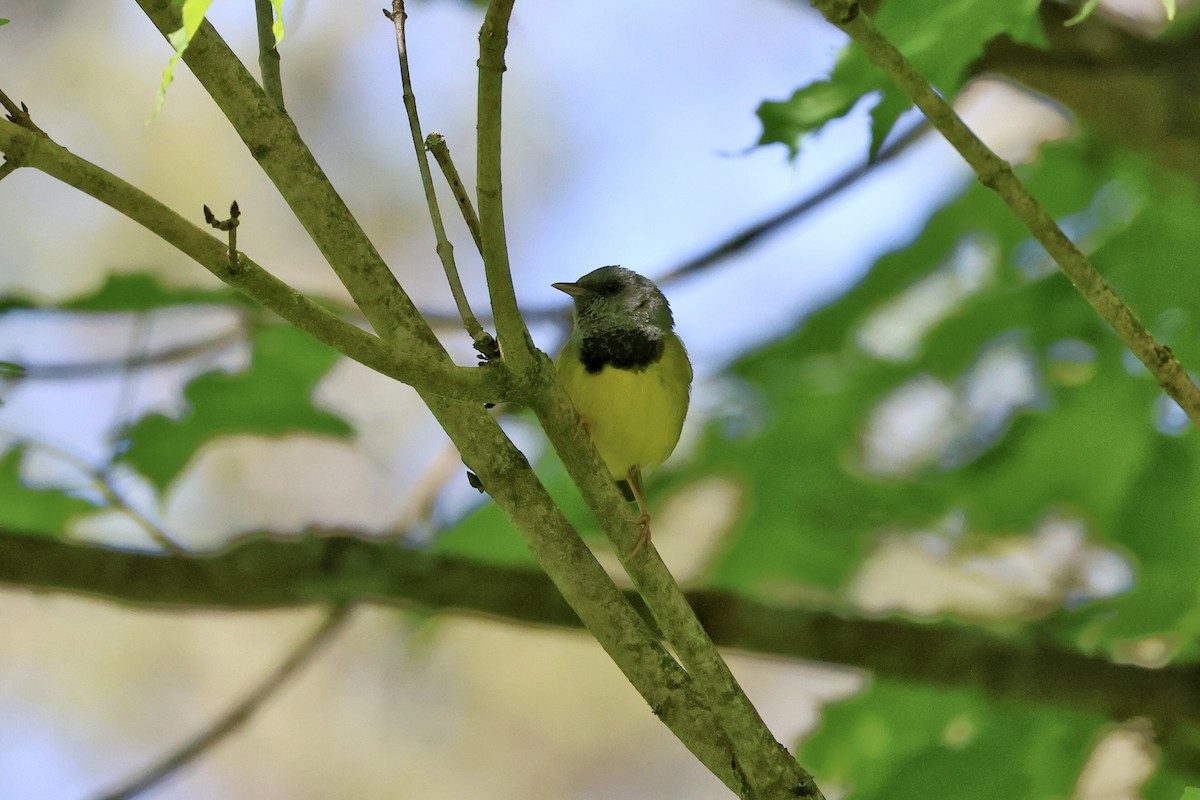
(193, 12)
(45, 511)
(4, 21)
(10, 370)
(277, 25)
(1084, 12)
(794, 436)
(487, 535)
(135, 291)
(903, 742)
(941, 38)
(273, 397)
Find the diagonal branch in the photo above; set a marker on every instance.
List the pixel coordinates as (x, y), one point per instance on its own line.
(272, 139)
(36, 150)
(997, 175)
(268, 52)
(516, 344)
(239, 713)
(484, 344)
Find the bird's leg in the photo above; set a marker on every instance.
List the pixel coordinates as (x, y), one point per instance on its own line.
(634, 478)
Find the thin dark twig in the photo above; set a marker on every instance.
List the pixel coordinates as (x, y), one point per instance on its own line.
(230, 226)
(756, 232)
(101, 481)
(19, 114)
(239, 713)
(483, 341)
(435, 143)
(74, 370)
(268, 53)
(997, 174)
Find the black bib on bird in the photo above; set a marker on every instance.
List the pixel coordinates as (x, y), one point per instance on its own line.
(632, 349)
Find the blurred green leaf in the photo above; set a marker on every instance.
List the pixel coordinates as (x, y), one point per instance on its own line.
(277, 25)
(941, 38)
(1085, 445)
(1083, 13)
(193, 12)
(45, 511)
(896, 741)
(272, 397)
(134, 291)
(486, 533)
(813, 510)
(10, 370)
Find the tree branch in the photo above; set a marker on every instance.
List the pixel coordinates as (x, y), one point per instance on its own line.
(239, 713)
(629, 641)
(272, 139)
(334, 567)
(502, 469)
(268, 53)
(440, 376)
(435, 143)
(774, 772)
(997, 175)
(515, 342)
(74, 370)
(484, 344)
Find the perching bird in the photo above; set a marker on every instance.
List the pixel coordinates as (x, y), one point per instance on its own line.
(627, 373)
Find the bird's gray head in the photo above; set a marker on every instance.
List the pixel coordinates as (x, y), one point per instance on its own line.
(615, 297)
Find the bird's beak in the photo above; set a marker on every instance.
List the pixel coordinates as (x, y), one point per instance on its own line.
(573, 289)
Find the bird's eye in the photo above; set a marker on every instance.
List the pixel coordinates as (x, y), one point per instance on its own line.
(610, 288)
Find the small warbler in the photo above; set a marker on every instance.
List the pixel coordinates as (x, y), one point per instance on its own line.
(627, 373)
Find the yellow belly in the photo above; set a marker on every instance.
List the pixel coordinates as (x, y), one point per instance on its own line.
(634, 418)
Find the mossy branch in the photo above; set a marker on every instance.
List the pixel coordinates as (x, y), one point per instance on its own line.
(515, 343)
(996, 173)
(26, 148)
(334, 567)
(502, 469)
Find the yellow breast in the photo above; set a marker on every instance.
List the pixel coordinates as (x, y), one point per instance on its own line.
(634, 417)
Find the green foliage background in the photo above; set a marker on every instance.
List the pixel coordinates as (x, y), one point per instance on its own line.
(1095, 443)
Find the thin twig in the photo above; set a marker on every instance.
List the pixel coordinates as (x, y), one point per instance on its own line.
(749, 236)
(483, 341)
(74, 370)
(416, 367)
(755, 232)
(268, 53)
(511, 329)
(102, 483)
(995, 173)
(19, 114)
(239, 713)
(230, 226)
(435, 143)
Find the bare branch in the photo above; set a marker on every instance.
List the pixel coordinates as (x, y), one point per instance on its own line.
(268, 53)
(238, 714)
(482, 340)
(435, 143)
(997, 175)
(438, 376)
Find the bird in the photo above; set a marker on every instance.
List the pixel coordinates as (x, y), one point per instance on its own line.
(628, 374)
